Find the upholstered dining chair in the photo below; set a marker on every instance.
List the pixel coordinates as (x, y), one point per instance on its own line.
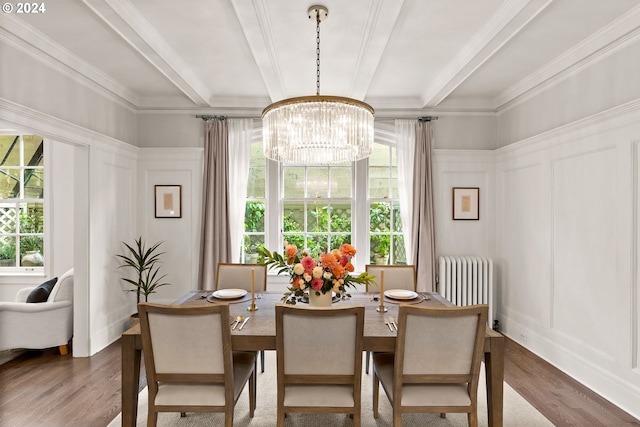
(238, 276)
(189, 363)
(319, 360)
(436, 364)
(395, 277)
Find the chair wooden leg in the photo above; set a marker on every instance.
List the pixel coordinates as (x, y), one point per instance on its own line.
(262, 361)
(252, 394)
(376, 386)
(472, 418)
(280, 418)
(152, 419)
(366, 362)
(183, 414)
(64, 349)
(443, 415)
(228, 418)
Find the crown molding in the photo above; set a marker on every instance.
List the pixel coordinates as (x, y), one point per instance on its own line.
(55, 128)
(31, 41)
(506, 23)
(608, 40)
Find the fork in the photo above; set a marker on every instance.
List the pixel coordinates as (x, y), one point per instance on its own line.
(392, 322)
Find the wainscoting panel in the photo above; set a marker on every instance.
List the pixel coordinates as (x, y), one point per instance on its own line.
(584, 247)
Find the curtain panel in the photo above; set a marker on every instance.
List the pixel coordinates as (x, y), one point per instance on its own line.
(423, 241)
(215, 245)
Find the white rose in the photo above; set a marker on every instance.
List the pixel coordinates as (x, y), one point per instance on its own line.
(317, 272)
(327, 275)
(303, 286)
(298, 269)
(306, 277)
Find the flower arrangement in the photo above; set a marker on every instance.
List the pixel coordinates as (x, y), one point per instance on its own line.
(329, 273)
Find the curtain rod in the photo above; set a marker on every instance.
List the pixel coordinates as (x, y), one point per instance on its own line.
(207, 118)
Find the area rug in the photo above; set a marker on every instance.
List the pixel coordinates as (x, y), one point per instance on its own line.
(517, 411)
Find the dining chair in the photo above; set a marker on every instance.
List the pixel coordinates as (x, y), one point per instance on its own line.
(189, 362)
(436, 364)
(395, 277)
(238, 276)
(319, 360)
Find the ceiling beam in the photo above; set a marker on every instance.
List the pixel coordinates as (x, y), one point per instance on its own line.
(129, 24)
(506, 23)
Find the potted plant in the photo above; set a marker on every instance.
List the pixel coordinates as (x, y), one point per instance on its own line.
(8, 252)
(145, 263)
(381, 246)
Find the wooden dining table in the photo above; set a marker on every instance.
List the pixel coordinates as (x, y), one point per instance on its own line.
(260, 334)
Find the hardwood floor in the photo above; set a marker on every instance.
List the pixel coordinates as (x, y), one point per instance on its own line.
(44, 389)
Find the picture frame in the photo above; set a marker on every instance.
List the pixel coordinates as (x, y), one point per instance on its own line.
(466, 203)
(168, 201)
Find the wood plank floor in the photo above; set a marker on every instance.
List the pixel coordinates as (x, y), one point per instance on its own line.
(44, 389)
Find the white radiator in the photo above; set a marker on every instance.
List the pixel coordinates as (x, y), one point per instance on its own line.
(466, 280)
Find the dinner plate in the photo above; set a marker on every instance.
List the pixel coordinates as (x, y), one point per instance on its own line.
(400, 294)
(229, 293)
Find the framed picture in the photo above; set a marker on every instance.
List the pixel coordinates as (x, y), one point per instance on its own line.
(466, 203)
(168, 201)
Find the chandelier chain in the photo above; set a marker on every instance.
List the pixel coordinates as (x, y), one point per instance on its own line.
(317, 52)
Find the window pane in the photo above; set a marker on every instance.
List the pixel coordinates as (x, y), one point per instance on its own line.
(251, 244)
(8, 219)
(380, 219)
(293, 182)
(10, 150)
(256, 183)
(317, 217)
(33, 183)
(340, 184)
(254, 217)
(339, 240)
(293, 216)
(33, 150)
(7, 251)
(9, 183)
(317, 182)
(397, 221)
(399, 254)
(317, 244)
(340, 217)
(379, 247)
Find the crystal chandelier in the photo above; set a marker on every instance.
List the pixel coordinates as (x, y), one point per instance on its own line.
(320, 129)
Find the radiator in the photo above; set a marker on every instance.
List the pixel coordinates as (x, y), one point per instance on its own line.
(466, 280)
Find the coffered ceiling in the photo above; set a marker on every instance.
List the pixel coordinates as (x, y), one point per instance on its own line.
(236, 56)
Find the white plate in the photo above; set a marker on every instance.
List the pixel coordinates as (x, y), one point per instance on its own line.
(400, 294)
(229, 293)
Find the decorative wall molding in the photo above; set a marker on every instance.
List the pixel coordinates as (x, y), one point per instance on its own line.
(55, 128)
(40, 47)
(597, 47)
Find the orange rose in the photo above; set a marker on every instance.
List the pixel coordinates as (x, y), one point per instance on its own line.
(347, 250)
(349, 267)
(337, 271)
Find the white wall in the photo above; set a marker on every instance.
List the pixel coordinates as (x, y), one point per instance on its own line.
(566, 227)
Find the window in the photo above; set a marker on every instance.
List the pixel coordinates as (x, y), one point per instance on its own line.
(21, 201)
(254, 216)
(385, 226)
(317, 205)
(322, 207)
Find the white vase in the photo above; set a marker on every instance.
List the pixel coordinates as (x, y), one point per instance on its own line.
(32, 258)
(322, 300)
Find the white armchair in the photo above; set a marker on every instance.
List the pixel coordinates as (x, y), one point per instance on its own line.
(39, 325)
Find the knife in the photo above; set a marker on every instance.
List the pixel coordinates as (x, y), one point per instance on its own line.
(246, 319)
(393, 322)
